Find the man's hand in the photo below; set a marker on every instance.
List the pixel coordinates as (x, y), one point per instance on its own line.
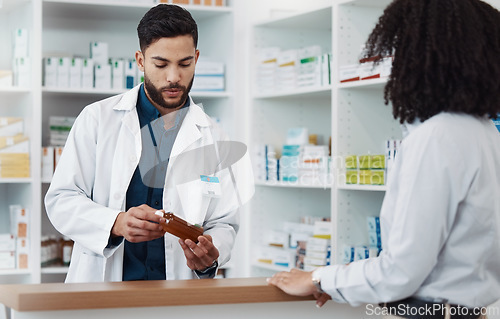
(138, 224)
(199, 256)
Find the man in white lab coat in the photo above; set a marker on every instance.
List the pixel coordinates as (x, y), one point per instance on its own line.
(151, 148)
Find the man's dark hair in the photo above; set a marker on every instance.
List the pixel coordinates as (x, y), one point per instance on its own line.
(446, 57)
(166, 21)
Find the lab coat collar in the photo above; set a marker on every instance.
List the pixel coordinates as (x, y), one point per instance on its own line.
(407, 128)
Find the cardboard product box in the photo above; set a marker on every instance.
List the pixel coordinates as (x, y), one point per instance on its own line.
(63, 67)
(7, 242)
(57, 154)
(130, 74)
(19, 218)
(118, 74)
(349, 73)
(102, 73)
(7, 259)
(10, 126)
(22, 147)
(21, 43)
(47, 163)
(75, 73)
(6, 141)
(6, 78)
(99, 52)
(87, 73)
(208, 83)
(22, 72)
(50, 72)
(22, 253)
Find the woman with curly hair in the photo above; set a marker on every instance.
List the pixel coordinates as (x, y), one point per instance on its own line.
(440, 219)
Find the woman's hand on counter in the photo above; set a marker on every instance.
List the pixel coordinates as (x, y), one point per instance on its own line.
(298, 283)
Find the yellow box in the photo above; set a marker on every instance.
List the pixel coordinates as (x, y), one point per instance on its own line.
(351, 162)
(351, 177)
(377, 177)
(365, 161)
(365, 177)
(377, 162)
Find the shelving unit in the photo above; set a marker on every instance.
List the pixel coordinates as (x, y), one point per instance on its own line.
(22, 102)
(66, 27)
(274, 113)
(362, 122)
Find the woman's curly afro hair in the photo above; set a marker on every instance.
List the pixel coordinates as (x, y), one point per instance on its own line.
(446, 57)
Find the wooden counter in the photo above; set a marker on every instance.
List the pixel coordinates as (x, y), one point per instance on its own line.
(242, 298)
(61, 296)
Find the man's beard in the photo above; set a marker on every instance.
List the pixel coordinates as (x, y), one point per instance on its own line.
(156, 96)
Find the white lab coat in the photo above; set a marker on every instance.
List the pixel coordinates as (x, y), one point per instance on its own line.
(92, 177)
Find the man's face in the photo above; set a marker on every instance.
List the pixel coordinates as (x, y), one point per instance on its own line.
(168, 65)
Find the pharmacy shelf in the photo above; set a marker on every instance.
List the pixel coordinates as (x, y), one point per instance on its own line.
(270, 266)
(375, 84)
(374, 188)
(292, 184)
(321, 92)
(16, 180)
(14, 90)
(62, 91)
(119, 10)
(55, 270)
(366, 3)
(13, 272)
(316, 19)
(7, 5)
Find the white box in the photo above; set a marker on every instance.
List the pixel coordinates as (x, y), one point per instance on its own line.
(323, 228)
(118, 74)
(22, 253)
(50, 72)
(75, 73)
(7, 260)
(47, 163)
(88, 73)
(209, 68)
(208, 83)
(130, 74)
(10, 126)
(21, 146)
(349, 73)
(7, 242)
(102, 76)
(99, 52)
(21, 43)
(22, 72)
(19, 220)
(57, 155)
(277, 238)
(63, 66)
(6, 78)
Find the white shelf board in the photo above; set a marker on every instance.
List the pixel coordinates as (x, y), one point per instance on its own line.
(55, 270)
(292, 184)
(7, 5)
(366, 3)
(14, 90)
(270, 266)
(24, 180)
(12, 272)
(377, 188)
(324, 92)
(96, 9)
(364, 84)
(56, 91)
(314, 19)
